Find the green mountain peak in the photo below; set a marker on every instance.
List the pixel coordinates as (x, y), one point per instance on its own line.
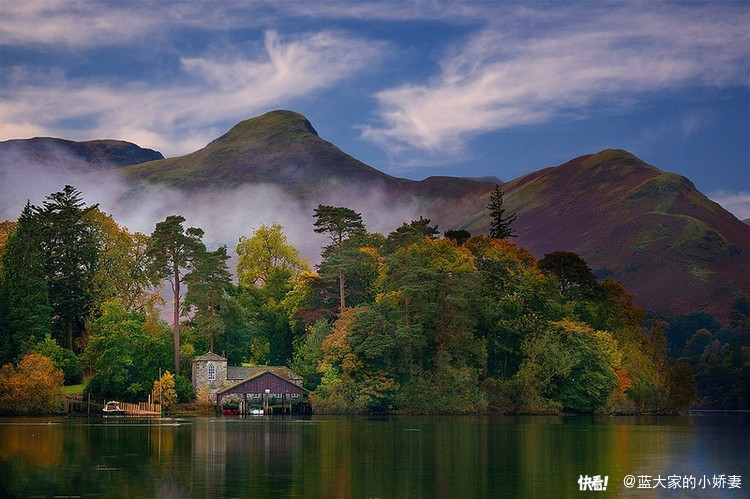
(272, 128)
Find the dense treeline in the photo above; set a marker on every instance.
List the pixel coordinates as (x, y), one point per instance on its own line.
(409, 321)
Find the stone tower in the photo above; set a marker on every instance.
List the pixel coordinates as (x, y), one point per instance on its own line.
(209, 375)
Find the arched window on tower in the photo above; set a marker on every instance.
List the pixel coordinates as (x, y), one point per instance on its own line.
(211, 372)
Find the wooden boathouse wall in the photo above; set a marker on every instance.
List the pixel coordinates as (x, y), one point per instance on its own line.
(263, 386)
(260, 383)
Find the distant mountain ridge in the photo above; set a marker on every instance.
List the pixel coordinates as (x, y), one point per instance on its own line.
(88, 155)
(671, 246)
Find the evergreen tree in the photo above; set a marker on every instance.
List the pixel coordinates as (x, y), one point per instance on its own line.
(459, 236)
(173, 249)
(500, 224)
(207, 289)
(71, 255)
(410, 233)
(25, 311)
(339, 223)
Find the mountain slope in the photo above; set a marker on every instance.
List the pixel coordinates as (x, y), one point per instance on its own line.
(671, 246)
(80, 156)
(676, 250)
(279, 147)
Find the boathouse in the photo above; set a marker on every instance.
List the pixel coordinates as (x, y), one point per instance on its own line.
(249, 385)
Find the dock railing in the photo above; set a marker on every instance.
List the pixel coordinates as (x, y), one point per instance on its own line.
(141, 409)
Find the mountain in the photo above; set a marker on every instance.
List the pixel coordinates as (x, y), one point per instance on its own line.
(670, 245)
(79, 156)
(673, 248)
(280, 147)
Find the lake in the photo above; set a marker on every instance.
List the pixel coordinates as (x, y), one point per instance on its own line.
(370, 457)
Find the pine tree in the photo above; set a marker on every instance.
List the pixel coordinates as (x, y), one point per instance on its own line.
(207, 289)
(499, 223)
(173, 250)
(339, 223)
(25, 311)
(71, 254)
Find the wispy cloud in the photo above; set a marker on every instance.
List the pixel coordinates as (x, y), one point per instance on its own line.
(74, 23)
(223, 86)
(505, 77)
(737, 203)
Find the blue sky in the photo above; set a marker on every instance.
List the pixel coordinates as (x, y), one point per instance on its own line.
(411, 88)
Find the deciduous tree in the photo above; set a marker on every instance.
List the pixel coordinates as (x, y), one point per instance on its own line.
(164, 391)
(264, 254)
(575, 276)
(33, 387)
(125, 353)
(124, 266)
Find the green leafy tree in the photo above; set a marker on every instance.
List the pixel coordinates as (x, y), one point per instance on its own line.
(173, 249)
(349, 385)
(358, 260)
(126, 353)
(265, 254)
(500, 223)
(62, 358)
(124, 266)
(241, 341)
(575, 276)
(308, 353)
(516, 300)
(568, 365)
(339, 223)
(268, 269)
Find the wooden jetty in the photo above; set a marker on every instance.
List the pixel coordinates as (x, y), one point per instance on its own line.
(76, 404)
(141, 409)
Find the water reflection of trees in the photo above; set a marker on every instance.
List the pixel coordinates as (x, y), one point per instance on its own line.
(356, 457)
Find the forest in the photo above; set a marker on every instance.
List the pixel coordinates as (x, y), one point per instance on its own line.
(414, 321)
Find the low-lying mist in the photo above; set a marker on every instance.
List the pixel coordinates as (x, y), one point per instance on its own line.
(224, 214)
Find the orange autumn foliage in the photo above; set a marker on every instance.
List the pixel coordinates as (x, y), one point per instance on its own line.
(623, 381)
(32, 387)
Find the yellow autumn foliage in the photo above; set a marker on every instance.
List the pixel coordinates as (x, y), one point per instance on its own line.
(32, 387)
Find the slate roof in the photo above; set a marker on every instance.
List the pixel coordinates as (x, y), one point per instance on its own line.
(211, 356)
(237, 373)
(283, 385)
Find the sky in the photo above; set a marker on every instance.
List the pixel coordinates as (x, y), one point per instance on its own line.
(411, 88)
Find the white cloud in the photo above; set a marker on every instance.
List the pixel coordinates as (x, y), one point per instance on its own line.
(737, 203)
(74, 23)
(506, 77)
(182, 115)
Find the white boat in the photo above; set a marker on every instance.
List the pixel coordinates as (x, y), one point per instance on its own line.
(112, 408)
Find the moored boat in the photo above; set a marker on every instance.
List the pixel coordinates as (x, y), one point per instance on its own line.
(112, 408)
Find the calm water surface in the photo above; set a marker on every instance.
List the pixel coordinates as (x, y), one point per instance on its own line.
(369, 457)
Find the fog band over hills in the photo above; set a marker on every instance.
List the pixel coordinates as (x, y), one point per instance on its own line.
(224, 214)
